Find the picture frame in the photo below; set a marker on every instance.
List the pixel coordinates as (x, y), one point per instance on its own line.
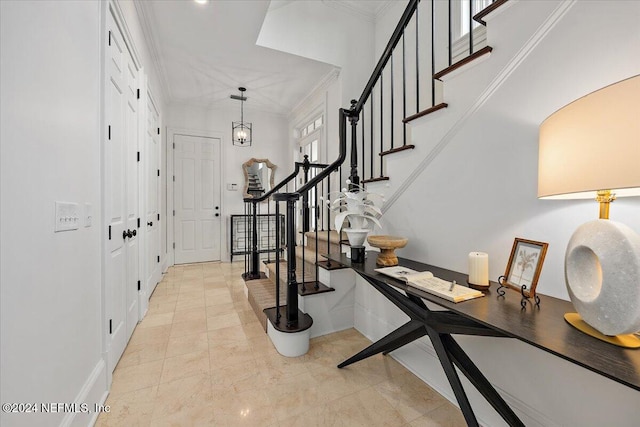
(524, 266)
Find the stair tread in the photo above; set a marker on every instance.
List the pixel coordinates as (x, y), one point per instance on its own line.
(423, 113)
(322, 235)
(480, 53)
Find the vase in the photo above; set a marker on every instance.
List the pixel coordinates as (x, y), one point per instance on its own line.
(356, 236)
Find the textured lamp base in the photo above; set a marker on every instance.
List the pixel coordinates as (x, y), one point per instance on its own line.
(626, 341)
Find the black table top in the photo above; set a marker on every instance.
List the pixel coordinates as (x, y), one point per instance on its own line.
(542, 327)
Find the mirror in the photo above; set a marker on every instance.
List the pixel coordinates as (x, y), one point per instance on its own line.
(258, 177)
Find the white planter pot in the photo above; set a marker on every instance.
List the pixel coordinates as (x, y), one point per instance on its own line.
(356, 236)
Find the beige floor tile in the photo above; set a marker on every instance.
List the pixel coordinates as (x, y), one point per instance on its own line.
(183, 394)
(129, 409)
(136, 377)
(188, 327)
(237, 378)
(250, 408)
(190, 343)
(223, 321)
(190, 315)
(136, 354)
(364, 408)
(185, 365)
(201, 358)
(446, 415)
(160, 319)
(410, 396)
(158, 334)
(225, 354)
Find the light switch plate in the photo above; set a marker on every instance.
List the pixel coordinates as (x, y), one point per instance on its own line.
(67, 216)
(232, 187)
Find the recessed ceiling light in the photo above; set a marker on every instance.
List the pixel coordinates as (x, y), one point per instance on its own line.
(201, 1)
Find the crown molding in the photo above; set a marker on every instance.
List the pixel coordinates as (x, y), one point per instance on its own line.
(144, 16)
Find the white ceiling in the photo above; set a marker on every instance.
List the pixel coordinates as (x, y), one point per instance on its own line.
(205, 52)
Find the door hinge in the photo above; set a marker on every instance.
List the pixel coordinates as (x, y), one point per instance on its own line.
(138, 222)
(174, 245)
(158, 131)
(109, 232)
(138, 94)
(158, 217)
(110, 326)
(138, 156)
(109, 37)
(158, 172)
(138, 284)
(109, 133)
(174, 178)
(174, 145)
(158, 259)
(174, 214)
(300, 148)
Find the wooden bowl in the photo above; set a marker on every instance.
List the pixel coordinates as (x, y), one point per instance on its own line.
(387, 246)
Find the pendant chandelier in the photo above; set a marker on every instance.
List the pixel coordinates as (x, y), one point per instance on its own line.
(241, 131)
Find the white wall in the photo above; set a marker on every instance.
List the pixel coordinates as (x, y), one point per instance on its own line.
(471, 184)
(51, 322)
(313, 29)
(270, 140)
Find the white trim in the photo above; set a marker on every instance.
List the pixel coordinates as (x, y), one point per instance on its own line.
(124, 29)
(147, 31)
(501, 78)
(171, 133)
(322, 86)
(94, 390)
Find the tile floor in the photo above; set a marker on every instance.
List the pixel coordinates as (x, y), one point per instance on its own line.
(200, 358)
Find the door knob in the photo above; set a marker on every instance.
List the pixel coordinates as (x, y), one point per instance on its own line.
(150, 224)
(217, 214)
(124, 234)
(134, 232)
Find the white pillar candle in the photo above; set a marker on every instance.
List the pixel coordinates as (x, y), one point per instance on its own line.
(479, 268)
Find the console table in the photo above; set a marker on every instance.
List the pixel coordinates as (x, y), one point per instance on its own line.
(490, 315)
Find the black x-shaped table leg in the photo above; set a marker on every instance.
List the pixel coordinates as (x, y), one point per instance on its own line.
(439, 326)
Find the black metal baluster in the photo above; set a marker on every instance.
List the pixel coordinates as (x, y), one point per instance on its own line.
(391, 113)
(372, 136)
(328, 221)
(450, 46)
(381, 120)
(268, 231)
(470, 27)
(316, 216)
(433, 53)
(418, 60)
(363, 155)
(404, 92)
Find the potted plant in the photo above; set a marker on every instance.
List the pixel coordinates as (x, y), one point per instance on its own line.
(357, 206)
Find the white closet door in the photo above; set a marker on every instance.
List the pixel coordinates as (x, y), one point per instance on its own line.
(121, 194)
(153, 192)
(197, 199)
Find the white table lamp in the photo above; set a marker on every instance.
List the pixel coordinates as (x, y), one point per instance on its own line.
(591, 149)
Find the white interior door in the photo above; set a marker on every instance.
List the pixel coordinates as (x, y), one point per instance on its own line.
(197, 199)
(121, 195)
(152, 222)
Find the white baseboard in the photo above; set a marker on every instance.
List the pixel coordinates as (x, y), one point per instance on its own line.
(93, 392)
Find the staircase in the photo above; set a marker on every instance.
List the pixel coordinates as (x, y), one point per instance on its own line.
(261, 293)
(377, 124)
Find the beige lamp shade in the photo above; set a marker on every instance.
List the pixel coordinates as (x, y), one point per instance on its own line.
(593, 144)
